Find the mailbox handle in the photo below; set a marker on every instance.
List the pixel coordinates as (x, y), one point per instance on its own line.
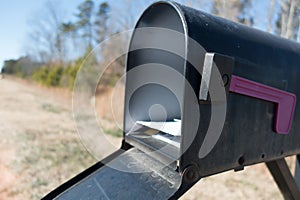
(286, 102)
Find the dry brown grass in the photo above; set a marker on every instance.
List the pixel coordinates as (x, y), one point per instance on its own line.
(40, 149)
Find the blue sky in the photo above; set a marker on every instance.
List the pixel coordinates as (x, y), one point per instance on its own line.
(15, 16)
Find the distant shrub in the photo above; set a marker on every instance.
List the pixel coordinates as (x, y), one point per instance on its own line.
(69, 76)
(59, 76)
(72, 72)
(49, 76)
(40, 75)
(54, 76)
(23, 67)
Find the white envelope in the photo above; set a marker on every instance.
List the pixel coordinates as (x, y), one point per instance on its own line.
(171, 127)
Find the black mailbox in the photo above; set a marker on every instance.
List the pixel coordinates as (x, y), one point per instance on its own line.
(228, 92)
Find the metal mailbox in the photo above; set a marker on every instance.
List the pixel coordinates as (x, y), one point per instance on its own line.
(229, 91)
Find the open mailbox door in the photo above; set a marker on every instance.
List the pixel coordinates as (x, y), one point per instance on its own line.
(129, 175)
(203, 95)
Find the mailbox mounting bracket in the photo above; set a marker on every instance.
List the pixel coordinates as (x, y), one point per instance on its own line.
(284, 178)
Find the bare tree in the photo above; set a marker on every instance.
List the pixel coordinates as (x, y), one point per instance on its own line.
(290, 22)
(57, 35)
(298, 35)
(225, 9)
(126, 13)
(235, 10)
(289, 18)
(271, 16)
(46, 42)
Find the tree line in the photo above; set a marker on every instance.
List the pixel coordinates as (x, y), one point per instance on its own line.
(58, 46)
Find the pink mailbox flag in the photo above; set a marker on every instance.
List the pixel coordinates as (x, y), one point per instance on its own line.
(286, 102)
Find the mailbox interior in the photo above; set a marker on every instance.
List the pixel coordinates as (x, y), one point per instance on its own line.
(152, 100)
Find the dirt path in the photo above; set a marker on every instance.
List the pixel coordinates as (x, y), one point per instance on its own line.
(38, 135)
(9, 109)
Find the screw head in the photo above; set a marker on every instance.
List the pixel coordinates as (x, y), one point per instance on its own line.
(225, 79)
(191, 174)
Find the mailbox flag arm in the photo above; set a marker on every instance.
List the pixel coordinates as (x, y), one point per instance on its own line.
(286, 102)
